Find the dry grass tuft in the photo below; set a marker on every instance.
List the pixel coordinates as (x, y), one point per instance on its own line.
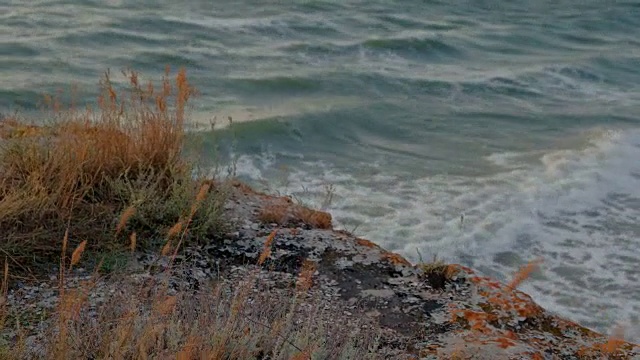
(274, 214)
(77, 253)
(282, 212)
(232, 320)
(317, 219)
(132, 241)
(438, 273)
(121, 165)
(615, 342)
(119, 172)
(266, 252)
(305, 278)
(126, 215)
(146, 323)
(175, 230)
(524, 273)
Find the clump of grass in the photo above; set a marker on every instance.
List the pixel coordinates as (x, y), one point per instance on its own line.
(437, 272)
(317, 219)
(286, 212)
(121, 175)
(274, 214)
(242, 321)
(202, 326)
(125, 157)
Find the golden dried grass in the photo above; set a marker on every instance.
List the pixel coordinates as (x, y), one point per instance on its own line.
(126, 215)
(274, 214)
(524, 273)
(133, 239)
(77, 253)
(305, 277)
(281, 212)
(314, 218)
(266, 251)
(122, 161)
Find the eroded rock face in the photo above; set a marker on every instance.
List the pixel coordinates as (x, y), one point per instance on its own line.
(444, 312)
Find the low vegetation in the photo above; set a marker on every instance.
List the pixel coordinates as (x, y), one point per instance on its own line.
(80, 170)
(228, 321)
(105, 182)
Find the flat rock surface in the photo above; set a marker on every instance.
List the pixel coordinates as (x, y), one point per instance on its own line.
(447, 313)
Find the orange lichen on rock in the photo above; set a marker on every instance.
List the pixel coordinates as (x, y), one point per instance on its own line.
(451, 271)
(500, 315)
(504, 342)
(614, 347)
(366, 243)
(395, 258)
(536, 356)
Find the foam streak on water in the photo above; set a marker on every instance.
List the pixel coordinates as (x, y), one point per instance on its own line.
(578, 208)
(522, 116)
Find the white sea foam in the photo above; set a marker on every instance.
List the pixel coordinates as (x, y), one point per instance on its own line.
(219, 117)
(577, 207)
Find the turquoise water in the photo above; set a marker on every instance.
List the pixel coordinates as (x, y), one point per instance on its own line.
(520, 117)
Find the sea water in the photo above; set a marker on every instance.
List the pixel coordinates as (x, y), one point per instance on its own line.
(488, 133)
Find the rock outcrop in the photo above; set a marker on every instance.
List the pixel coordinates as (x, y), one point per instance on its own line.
(440, 312)
(421, 312)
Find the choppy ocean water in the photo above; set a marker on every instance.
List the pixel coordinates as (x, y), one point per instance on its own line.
(520, 117)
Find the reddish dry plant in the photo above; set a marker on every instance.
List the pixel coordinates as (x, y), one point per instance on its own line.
(615, 342)
(282, 212)
(524, 273)
(266, 252)
(274, 214)
(182, 227)
(314, 218)
(74, 165)
(366, 243)
(305, 278)
(202, 193)
(77, 253)
(126, 215)
(165, 306)
(4, 289)
(133, 239)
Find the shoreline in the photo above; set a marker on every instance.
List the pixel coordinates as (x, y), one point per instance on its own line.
(441, 311)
